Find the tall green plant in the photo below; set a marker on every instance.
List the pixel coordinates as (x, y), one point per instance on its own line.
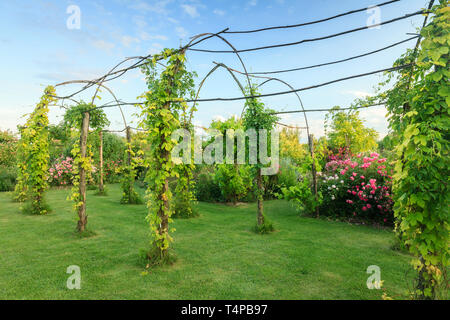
(34, 156)
(257, 117)
(73, 119)
(419, 116)
(161, 117)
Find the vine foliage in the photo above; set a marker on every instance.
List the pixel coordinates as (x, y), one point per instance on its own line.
(34, 156)
(419, 115)
(161, 113)
(73, 119)
(257, 117)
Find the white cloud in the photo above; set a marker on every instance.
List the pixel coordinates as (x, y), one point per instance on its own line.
(182, 32)
(358, 94)
(253, 3)
(157, 7)
(146, 36)
(190, 10)
(172, 20)
(103, 45)
(219, 12)
(127, 40)
(139, 22)
(155, 48)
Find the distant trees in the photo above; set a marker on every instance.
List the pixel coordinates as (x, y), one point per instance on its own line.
(346, 130)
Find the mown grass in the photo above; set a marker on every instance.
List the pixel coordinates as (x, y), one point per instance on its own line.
(218, 255)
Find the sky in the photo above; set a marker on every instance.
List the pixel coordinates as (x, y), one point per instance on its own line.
(40, 47)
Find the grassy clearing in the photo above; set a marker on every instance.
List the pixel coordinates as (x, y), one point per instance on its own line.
(219, 257)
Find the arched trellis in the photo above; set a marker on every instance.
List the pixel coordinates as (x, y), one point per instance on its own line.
(310, 137)
(83, 149)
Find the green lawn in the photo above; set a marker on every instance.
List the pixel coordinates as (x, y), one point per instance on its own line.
(218, 255)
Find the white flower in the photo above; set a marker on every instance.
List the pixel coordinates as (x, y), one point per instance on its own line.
(333, 186)
(342, 181)
(329, 188)
(332, 197)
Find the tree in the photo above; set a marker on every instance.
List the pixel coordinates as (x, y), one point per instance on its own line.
(80, 118)
(258, 117)
(290, 146)
(233, 179)
(347, 130)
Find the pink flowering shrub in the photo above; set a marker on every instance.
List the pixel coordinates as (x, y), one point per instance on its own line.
(358, 188)
(112, 170)
(60, 172)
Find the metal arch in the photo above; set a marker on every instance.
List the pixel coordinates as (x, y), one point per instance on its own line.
(100, 85)
(296, 93)
(207, 76)
(209, 35)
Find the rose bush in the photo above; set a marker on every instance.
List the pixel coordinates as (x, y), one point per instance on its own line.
(61, 172)
(357, 188)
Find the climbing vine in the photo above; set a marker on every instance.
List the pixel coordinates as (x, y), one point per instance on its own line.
(257, 117)
(33, 157)
(73, 118)
(161, 117)
(133, 160)
(419, 115)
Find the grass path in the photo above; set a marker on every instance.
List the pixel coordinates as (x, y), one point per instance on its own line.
(218, 256)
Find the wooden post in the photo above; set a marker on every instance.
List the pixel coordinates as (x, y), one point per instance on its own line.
(100, 185)
(260, 198)
(82, 222)
(130, 186)
(313, 169)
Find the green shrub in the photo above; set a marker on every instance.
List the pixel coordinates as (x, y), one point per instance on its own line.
(207, 189)
(265, 228)
(8, 177)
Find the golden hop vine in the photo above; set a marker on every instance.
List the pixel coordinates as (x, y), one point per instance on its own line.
(419, 116)
(73, 119)
(129, 195)
(34, 155)
(161, 117)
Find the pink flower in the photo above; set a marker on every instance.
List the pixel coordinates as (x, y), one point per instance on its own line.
(351, 178)
(362, 177)
(368, 206)
(364, 208)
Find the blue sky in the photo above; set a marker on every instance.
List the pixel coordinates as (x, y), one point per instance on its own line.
(38, 49)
